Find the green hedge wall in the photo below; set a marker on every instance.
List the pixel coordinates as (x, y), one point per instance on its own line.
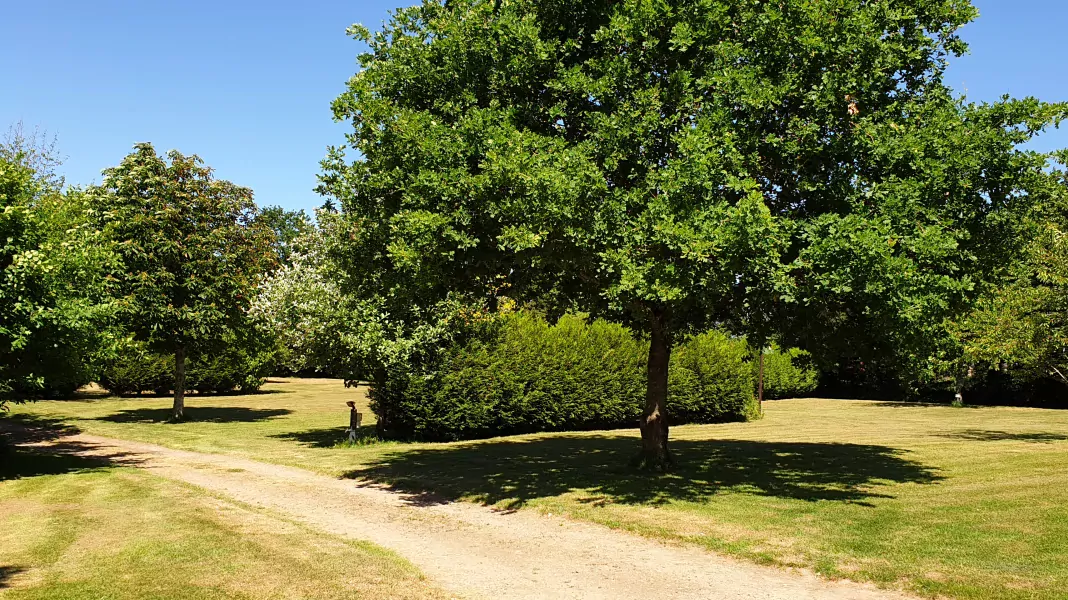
(527, 376)
(138, 370)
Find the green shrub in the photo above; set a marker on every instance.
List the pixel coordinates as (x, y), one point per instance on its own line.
(710, 380)
(138, 370)
(526, 376)
(788, 374)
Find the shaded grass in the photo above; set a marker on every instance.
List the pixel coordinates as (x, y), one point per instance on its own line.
(514, 472)
(35, 446)
(122, 533)
(958, 503)
(203, 414)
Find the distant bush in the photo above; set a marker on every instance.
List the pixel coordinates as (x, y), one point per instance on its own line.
(525, 375)
(788, 374)
(138, 370)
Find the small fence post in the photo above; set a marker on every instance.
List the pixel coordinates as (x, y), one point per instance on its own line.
(355, 419)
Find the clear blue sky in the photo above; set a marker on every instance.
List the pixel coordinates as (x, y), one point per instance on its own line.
(248, 85)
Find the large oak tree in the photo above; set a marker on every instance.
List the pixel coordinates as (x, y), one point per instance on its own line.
(781, 166)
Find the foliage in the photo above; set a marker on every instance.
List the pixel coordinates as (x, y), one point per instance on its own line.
(136, 370)
(35, 150)
(1024, 323)
(794, 168)
(523, 375)
(322, 329)
(55, 314)
(710, 380)
(288, 226)
(192, 252)
(788, 373)
(300, 306)
(236, 366)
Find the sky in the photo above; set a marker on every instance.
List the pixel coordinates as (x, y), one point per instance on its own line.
(248, 85)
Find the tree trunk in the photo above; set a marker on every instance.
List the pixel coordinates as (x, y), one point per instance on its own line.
(760, 382)
(654, 425)
(179, 384)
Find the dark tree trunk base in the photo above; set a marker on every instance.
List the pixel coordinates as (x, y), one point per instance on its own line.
(178, 411)
(659, 461)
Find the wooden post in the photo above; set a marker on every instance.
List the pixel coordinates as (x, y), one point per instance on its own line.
(355, 418)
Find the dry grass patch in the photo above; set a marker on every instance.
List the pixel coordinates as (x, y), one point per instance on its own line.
(123, 533)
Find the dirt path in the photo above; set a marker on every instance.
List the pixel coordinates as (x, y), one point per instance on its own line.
(476, 552)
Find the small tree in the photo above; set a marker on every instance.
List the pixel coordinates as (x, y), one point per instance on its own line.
(675, 165)
(191, 249)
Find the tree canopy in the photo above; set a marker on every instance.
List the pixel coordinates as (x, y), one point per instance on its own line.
(55, 310)
(1023, 324)
(192, 252)
(787, 167)
(288, 226)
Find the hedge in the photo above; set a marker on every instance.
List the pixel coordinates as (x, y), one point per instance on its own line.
(139, 370)
(788, 374)
(528, 376)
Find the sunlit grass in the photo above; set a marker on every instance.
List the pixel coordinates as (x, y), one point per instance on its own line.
(95, 532)
(960, 502)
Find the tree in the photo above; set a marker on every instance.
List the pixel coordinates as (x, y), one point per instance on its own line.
(1023, 324)
(191, 249)
(35, 150)
(675, 165)
(288, 227)
(55, 317)
(300, 305)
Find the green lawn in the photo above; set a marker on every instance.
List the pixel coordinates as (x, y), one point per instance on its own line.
(959, 502)
(80, 528)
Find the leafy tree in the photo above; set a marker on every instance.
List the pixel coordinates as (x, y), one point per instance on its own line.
(191, 249)
(320, 328)
(794, 168)
(299, 304)
(1024, 323)
(36, 150)
(288, 226)
(16, 231)
(54, 311)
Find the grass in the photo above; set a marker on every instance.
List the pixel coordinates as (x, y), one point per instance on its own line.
(942, 501)
(81, 528)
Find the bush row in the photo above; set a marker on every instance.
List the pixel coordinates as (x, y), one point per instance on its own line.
(138, 370)
(527, 376)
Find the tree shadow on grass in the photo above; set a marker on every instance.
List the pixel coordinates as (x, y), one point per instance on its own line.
(202, 414)
(6, 573)
(916, 404)
(193, 394)
(328, 437)
(33, 446)
(514, 472)
(984, 435)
